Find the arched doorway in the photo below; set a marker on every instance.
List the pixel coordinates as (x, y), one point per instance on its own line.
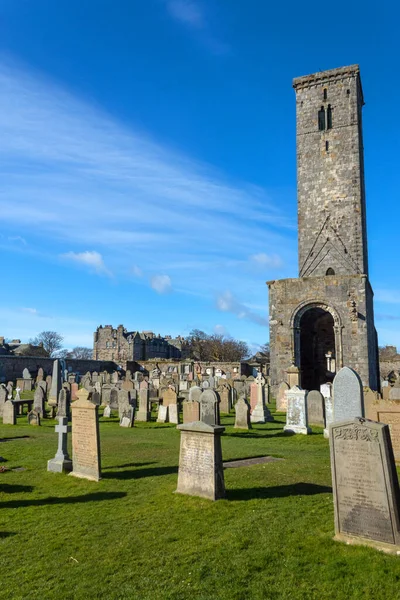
(317, 347)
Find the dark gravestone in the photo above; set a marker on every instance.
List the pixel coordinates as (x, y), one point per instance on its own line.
(33, 417)
(39, 400)
(365, 484)
(348, 398)
(114, 399)
(127, 417)
(316, 408)
(209, 407)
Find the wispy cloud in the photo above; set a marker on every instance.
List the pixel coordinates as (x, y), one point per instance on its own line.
(91, 259)
(133, 201)
(31, 311)
(192, 15)
(136, 271)
(161, 284)
(387, 296)
(226, 302)
(266, 260)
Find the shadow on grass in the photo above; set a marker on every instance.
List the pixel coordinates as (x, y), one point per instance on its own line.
(15, 437)
(95, 497)
(140, 473)
(260, 435)
(279, 491)
(142, 464)
(6, 534)
(8, 488)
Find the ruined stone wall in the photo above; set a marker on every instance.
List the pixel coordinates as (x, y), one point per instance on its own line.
(350, 297)
(330, 174)
(11, 367)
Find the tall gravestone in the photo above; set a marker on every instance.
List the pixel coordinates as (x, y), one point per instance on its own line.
(209, 412)
(3, 397)
(85, 438)
(260, 412)
(347, 395)
(200, 461)
(365, 484)
(63, 409)
(242, 410)
(296, 415)
(56, 383)
(143, 413)
(316, 408)
(326, 391)
(9, 413)
(61, 462)
(39, 399)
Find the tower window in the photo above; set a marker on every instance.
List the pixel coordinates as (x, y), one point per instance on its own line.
(348, 92)
(329, 117)
(330, 271)
(321, 119)
(327, 146)
(325, 94)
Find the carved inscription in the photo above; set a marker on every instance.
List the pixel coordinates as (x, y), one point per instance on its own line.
(196, 464)
(361, 492)
(85, 448)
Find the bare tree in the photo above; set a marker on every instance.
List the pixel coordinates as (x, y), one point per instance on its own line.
(80, 352)
(215, 347)
(50, 340)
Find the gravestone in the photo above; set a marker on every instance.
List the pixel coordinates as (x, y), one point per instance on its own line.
(3, 397)
(33, 418)
(126, 419)
(169, 397)
(253, 396)
(260, 412)
(114, 399)
(39, 399)
(61, 462)
(63, 409)
(48, 385)
(347, 395)
(40, 375)
(328, 403)
(10, 389)
(107, 411)
(365, 484)
(316, 408)
(296, 415)
(281, 398)
(56, 383)
(200, 461)
(242, 410)
(124, 402)
(173, 413)
(9, 413)
(224, 395)
(385, 411)
(95, 397)
(26, 374)
(191, 411)
(195, 393)
(209, 407)
(394, 392)
(143, 413)
(17, 393)
(85, 438)
(162, 416)
(74, 391)
(106, 394)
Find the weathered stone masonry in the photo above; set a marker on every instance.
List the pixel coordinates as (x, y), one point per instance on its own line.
(324, 319)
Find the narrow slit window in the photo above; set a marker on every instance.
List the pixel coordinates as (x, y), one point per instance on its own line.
(321, 119)
(329, 117)
(327, 146)
(325, 94)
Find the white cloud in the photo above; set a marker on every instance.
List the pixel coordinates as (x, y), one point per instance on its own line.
(31, 311)
(187, 12)
(137, 271)
(91, 259)
(161, 284)
(226, 302)
(17, 238)
(265, 260)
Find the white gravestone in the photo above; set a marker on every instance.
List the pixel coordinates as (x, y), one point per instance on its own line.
(296, 416)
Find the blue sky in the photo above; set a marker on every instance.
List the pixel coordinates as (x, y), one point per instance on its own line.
(148, 172)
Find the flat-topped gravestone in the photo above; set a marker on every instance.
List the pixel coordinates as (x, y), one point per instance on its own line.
(85, 438)
(173, 413)
(394, 392)
(296, 416)
(162, 416)
(365, 484)
(316, 408)
(191, 411)
(225, 400)
(33, 418)
(200, 461)
(169, 397)
(9, 413)
(143, 413)
(114, 399)
(61, 462)
(281, 399)
(347, 395)
(127, 417)
(209, 407)
(385, 411)
(242, 410)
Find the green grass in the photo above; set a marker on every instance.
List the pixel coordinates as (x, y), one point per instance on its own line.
(129, 536)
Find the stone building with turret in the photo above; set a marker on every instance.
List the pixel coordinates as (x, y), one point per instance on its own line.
(121, 346)
(324, 319)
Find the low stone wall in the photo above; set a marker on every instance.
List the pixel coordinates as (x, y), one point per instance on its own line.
(11, 367)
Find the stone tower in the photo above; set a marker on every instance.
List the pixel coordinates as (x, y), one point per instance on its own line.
(324, 319)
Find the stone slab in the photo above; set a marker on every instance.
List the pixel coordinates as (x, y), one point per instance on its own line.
(85, 438)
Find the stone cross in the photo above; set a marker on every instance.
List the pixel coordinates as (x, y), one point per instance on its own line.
(17, 396)
(61, 462)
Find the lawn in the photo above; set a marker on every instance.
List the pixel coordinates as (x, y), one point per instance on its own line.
(129, 536)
